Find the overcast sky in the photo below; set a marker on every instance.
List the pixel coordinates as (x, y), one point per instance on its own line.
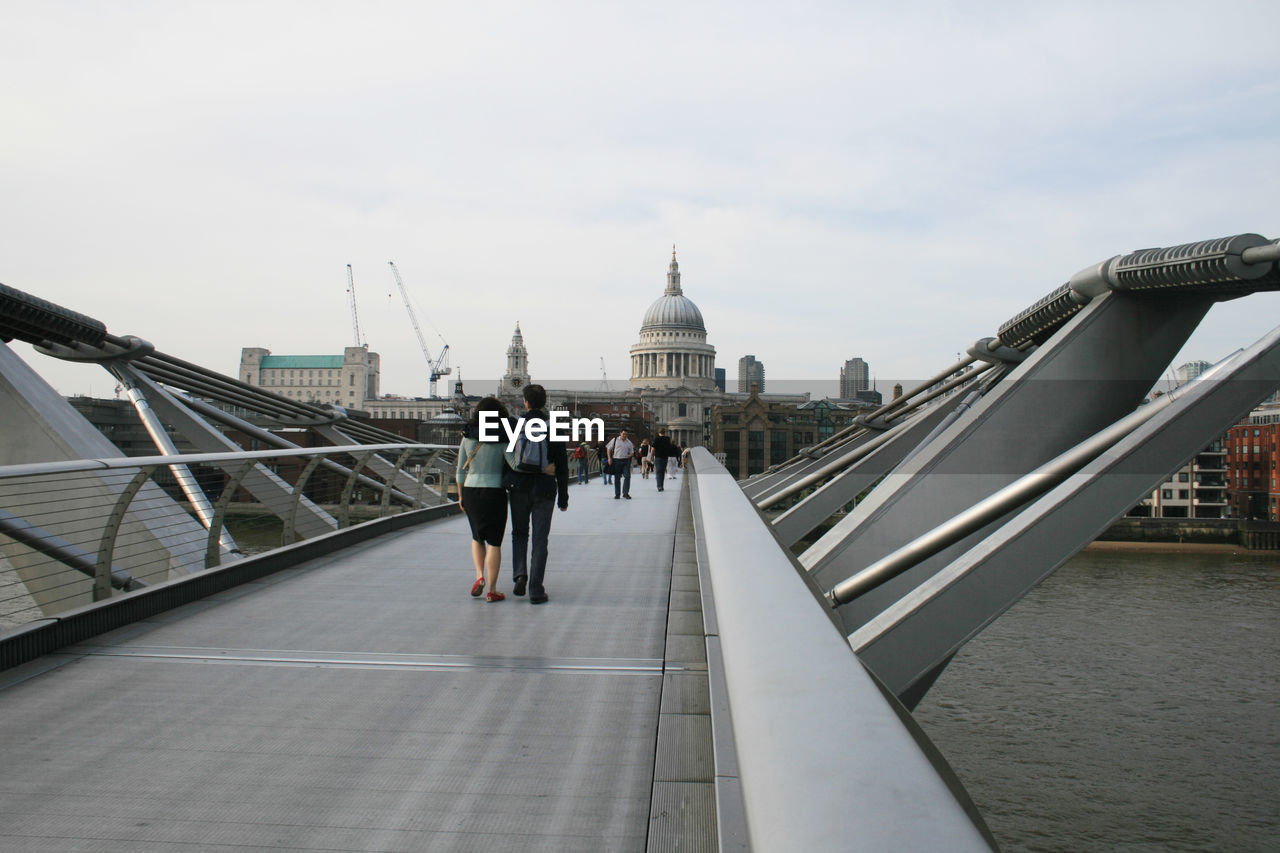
(841, 178)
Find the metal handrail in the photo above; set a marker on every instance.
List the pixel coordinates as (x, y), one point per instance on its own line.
(79, 530)
(820, 748)
(109, 463)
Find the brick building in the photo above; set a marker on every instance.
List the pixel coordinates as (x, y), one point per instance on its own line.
(1252, 490)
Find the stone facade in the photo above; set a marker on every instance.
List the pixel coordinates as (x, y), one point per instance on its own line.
(348, 380)
(759, 432)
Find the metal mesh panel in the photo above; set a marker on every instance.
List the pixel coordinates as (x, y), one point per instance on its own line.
(1036, 323)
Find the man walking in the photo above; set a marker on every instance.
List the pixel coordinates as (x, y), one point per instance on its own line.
(533, 497)
(620, 452)
(663, 450)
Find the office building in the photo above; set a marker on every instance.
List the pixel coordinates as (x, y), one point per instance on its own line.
(855, 376)
(750, 372)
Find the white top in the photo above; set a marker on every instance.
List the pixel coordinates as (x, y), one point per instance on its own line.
(620, 448)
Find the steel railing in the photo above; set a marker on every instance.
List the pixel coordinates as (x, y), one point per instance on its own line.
(824, 758)
(77, 531)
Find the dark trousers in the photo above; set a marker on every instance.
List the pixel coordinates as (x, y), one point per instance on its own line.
(622, 476)
(526, 506)
(660, 466)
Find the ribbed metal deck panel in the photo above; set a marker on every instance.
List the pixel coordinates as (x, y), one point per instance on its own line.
(364, 701)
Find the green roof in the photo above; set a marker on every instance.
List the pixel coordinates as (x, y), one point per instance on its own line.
(277, 361)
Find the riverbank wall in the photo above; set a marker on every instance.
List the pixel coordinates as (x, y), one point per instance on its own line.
(1233, 532)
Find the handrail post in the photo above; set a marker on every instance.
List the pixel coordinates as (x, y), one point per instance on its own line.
(289, 534)
(385, 504)
(426, 472)
(110, 530)
(212, 554)
(344, 509)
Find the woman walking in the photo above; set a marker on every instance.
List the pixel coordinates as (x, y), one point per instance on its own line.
(483, 498)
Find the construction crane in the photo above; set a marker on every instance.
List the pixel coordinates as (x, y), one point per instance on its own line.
(439, 367)
(355, 316)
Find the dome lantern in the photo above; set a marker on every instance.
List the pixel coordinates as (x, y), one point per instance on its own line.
(673, 275)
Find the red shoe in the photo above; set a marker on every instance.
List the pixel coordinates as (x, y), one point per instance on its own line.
(494, 596)
(477, 588)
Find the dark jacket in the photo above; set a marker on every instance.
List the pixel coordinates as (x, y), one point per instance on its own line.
(542, 484)
(663, 448)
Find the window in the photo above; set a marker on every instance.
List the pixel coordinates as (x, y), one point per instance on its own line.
(755, 451)
(777, 446)
(732, 449)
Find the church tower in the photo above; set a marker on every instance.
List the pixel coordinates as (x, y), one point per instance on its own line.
(459, 399)
(517, 375)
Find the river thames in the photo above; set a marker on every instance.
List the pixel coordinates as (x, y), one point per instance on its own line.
(1131, 702)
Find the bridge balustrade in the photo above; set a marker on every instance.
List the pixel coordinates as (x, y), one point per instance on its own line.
(80, 530)
(808, 743)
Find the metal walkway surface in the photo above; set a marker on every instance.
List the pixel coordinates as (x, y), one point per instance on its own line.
(363, 701)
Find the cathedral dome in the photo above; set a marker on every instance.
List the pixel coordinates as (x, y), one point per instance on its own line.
(673, 352)
(673, 309)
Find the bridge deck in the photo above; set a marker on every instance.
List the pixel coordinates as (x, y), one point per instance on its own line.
(363, 701)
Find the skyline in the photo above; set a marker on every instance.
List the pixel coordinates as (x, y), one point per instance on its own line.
(840, 180)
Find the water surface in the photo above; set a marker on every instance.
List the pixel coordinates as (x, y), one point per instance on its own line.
(1131, 702)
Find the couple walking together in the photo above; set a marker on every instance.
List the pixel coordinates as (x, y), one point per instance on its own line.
(620, 452)
(530, 480)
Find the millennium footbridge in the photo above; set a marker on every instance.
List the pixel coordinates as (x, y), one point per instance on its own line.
(727, 665)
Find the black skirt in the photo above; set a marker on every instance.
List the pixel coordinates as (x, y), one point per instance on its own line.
(486, 511)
